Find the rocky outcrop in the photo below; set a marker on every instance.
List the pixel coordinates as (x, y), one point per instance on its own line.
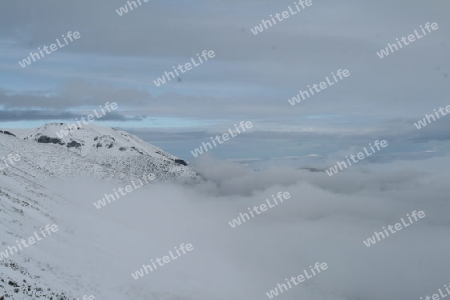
(49, 140)
(7, 132)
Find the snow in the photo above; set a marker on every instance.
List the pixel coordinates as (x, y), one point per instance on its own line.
(34, 193)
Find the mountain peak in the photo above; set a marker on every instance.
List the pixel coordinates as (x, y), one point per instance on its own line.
(118, 151)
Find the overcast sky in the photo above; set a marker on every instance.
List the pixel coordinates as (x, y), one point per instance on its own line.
(250, 78)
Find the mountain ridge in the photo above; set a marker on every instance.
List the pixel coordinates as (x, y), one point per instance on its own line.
(119, 153)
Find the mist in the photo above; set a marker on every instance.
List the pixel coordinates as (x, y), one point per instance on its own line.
(325, 220)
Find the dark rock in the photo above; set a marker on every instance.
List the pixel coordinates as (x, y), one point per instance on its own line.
(139, 151)
(73, 144)
(48, 140)
(7, 132)
(181, 162)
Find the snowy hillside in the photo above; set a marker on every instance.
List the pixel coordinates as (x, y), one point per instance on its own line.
(29, 200)
(100, 150)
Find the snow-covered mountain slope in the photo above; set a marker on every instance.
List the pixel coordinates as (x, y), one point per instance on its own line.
(96, 150)
(29, 200)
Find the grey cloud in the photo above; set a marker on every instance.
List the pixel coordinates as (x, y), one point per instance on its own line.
(36, 115)
(76, 93)
(31, 115)
(250, 75)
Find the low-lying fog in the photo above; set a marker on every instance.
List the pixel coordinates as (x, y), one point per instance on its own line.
(325, 220)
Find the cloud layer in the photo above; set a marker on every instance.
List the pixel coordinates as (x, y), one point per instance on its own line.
(119, 57)
(326, 219)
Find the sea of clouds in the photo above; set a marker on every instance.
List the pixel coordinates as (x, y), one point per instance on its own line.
(325, 220)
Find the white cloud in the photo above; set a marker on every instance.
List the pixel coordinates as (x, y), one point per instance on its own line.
(326, 219)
